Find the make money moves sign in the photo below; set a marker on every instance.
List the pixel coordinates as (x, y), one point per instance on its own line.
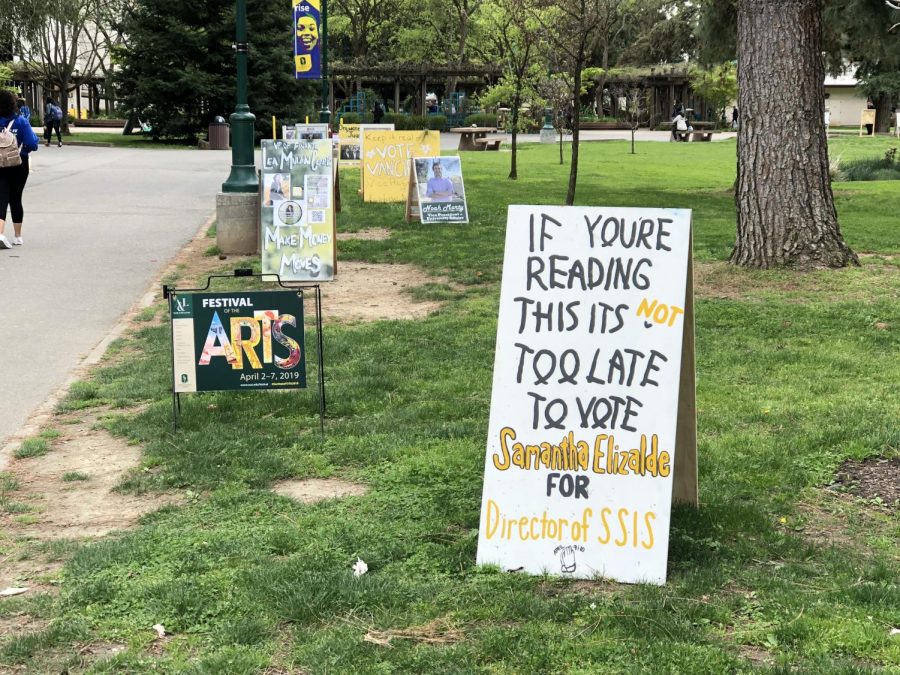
(581, 441)
(307, 45)
(297, 210)
(241, 340)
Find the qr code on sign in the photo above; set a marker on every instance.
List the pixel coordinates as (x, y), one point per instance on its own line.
(317, 216)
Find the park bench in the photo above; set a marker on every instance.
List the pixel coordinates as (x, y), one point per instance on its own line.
(701, 135)
(488, 143)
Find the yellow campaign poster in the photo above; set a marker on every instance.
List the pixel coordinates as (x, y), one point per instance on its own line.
(386, 161)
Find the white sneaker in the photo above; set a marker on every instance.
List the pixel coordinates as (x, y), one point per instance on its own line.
(4, 242)
(18, 241)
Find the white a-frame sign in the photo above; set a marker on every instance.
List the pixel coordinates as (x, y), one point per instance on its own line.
(593, 426)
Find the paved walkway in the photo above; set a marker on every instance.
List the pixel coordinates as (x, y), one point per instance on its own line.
(100, 224)
(451, 141)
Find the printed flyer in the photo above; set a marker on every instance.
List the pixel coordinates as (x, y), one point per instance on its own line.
(235, 341)
(581, 440)
(297, 210)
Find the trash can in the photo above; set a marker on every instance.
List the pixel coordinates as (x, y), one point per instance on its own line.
(219, 134)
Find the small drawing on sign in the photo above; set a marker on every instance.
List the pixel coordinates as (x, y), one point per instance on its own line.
(567, 562)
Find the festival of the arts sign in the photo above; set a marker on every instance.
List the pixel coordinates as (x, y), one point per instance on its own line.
(242, 340)
(580, 452)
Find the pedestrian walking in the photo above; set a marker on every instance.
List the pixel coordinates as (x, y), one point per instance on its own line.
(24, 110)
(17, 140)
(52, 121)
(734, 117)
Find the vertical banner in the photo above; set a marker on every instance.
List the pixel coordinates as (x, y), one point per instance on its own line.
(386, 161)
(307, 46)
(297, 210)
(585, 400)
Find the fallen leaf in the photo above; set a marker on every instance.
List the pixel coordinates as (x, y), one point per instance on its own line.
(6, 592)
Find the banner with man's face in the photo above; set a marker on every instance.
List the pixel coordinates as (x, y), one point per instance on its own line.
(307, 48)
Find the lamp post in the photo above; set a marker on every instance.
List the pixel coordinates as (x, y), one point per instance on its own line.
(324, 113)
(243, 166)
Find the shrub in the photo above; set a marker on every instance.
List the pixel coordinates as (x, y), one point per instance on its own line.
(481, 120)
(883, 168)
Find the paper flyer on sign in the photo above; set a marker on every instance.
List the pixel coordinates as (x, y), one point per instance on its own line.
(581, 439)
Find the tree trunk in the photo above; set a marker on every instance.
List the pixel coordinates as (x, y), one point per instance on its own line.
(785, 207)
(576, 122)
(882, 113)
(561, 133)
(513, 173)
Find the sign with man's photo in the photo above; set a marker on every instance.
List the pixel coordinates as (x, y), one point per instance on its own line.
(439, 190)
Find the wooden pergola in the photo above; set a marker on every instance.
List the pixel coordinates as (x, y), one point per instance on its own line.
(412, 76)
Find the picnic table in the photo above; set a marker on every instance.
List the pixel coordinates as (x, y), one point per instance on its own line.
(468, 136)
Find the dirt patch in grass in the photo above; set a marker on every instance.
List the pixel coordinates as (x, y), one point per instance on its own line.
(373, 234)
(312, 490)
(436, 632)
(85, 508)
(754, 654)
(16, 624)
(555, 587)
(375, 292)
(877, 480)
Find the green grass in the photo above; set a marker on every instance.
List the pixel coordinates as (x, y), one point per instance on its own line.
(118, 139)
(794, 375)
(32, 447)
(72, 476)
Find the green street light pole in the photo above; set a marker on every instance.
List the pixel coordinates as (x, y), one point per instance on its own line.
(243, 166)
(324, 113)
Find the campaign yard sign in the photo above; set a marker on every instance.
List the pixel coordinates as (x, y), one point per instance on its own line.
(297, 210)
(595, 309)
(238, 341)
(386, 161)
(350, 141)
(439, 190)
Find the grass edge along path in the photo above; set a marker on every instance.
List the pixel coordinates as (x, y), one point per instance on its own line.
(773, 572)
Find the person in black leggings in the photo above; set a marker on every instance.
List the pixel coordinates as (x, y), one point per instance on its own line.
(13, 178)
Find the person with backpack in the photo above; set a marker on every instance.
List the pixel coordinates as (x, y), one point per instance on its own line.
(52, 121)
(17, 140)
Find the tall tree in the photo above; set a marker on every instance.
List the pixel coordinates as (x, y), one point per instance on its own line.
(785, 207)
(56, 47)
(579, 26)
(859, 33)
(178, 71)
(516, 32)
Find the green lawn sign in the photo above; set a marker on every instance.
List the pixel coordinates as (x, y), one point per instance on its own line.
(238, 341)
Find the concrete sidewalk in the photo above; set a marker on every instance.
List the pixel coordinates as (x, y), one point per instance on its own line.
(100, 224)
(450, 141)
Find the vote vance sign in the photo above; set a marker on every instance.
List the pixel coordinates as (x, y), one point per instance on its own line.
(585, 404)
(244, 340)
